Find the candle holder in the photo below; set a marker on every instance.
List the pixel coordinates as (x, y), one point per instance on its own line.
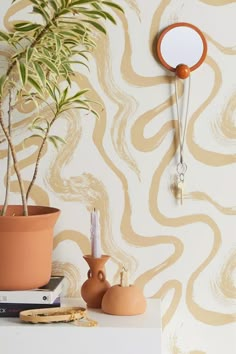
(124, 299)
(94, 288)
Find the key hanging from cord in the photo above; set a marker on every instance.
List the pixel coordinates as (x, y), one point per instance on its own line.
(182, 72)
(181, 170)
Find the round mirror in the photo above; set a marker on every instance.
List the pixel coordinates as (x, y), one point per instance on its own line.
(181, 43)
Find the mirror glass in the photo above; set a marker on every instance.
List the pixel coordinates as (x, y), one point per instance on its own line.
(181, 43)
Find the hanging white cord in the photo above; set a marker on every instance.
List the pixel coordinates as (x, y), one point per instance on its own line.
(182, 130)
(182, 126)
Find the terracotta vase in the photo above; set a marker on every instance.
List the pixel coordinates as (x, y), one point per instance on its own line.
(26, 244)
(94, 288)
(124, 301)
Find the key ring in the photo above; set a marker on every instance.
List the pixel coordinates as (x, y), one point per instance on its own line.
(181, 168)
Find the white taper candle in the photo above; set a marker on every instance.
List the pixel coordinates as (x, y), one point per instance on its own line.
(95, 235)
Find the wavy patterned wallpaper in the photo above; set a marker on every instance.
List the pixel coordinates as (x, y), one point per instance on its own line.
(123, 164)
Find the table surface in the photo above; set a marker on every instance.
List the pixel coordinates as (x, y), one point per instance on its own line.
(150, 319)
(114, 334)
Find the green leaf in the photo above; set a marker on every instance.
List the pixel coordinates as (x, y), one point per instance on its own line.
(81, 32)
(80, 2)
(94, 102)
(95, 113)
(69, 81)
(51, 90)
(83, 55)
(22, 24)
(87, 109)
(28, 28)
(89, 43)
(40, 120)
(35, 85)
(40, 11)
(58, 138)
(72, 24)
(40, 73)
(69, 34)
(70, 42)
(97, 6)
(78, 94)
(37, 127)
(80, 63)
(111, 4)
(54, 139)
(50, 65)
(54, 5)
(64, 71)
(29, 53)
(46, 52)
(110, 17)
(81, 102)
(37, 119)
(58, 43)
(4, 36)
(22, 72)
(64, 95)
(43, 3)
(96, 25)
(65, 11)
(93, 13)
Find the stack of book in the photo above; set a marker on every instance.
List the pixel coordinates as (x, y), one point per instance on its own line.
(13, 302)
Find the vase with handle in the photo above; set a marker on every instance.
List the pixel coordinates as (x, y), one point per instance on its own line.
(94, 288)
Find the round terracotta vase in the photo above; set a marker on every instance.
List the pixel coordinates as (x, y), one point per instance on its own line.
(124, 301)
(26, 244)
(94, 288)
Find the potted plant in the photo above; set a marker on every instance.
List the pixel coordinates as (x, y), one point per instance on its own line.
(39, 56)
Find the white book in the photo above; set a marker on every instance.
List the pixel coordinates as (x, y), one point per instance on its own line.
(44, 295)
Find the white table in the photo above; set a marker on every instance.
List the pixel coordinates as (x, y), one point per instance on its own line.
(114, 334)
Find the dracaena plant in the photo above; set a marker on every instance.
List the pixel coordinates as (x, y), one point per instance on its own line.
(40, 69)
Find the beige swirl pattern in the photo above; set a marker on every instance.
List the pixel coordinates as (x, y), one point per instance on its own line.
(122, 164)
(217, 2)
(225, 284)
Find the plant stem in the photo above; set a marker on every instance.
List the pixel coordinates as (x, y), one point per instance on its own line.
(39, 155)
(8, 175)
(11, 149)
(15, 162)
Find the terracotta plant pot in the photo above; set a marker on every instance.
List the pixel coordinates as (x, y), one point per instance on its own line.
(26, 244)
(124, 301)
(94, 288)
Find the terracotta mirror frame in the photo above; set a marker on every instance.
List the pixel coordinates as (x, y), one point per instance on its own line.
(182, 68)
